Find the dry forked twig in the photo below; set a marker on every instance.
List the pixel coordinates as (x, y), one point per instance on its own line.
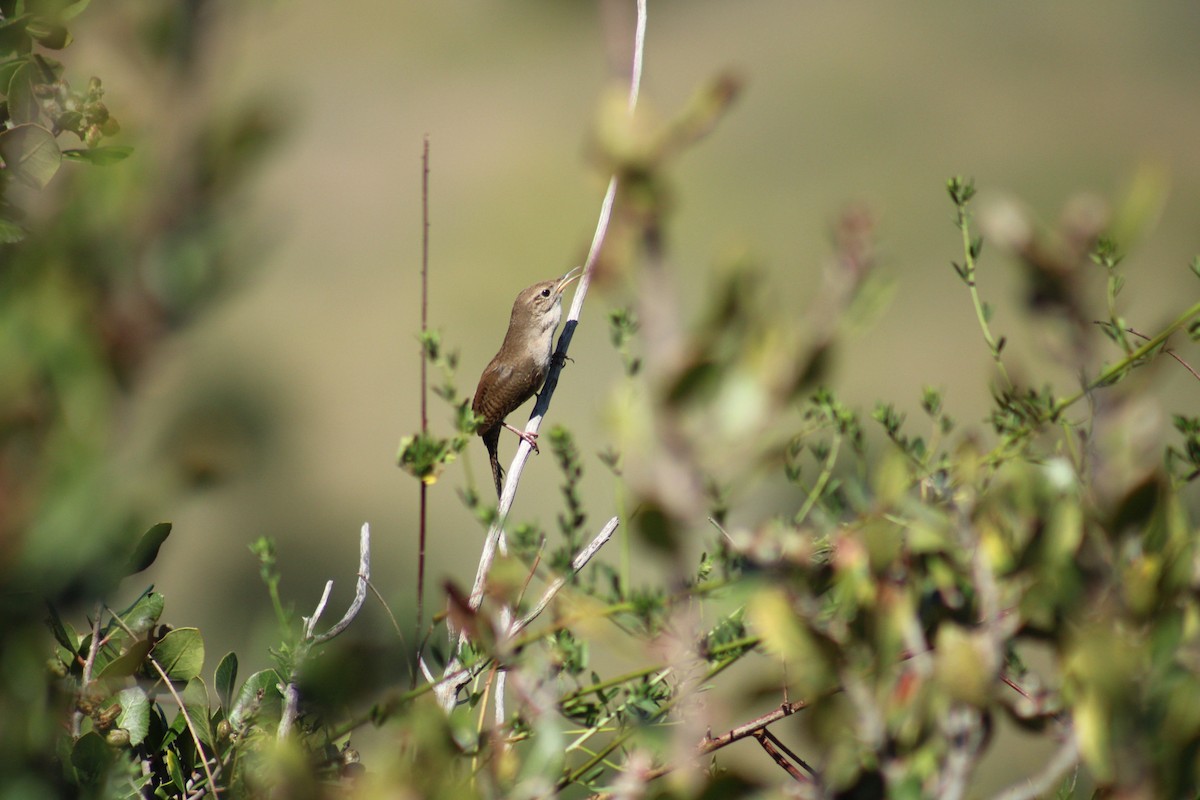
(514, 627)
(447, 688)
(579, 562)
(781, 754)
(360, 593)
(495, 537)
(310, 638)
(710, 744)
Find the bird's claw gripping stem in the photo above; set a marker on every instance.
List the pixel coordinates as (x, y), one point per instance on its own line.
(526, 436)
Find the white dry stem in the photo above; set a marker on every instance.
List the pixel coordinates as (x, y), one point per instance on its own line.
(447, 688)
(291, 692)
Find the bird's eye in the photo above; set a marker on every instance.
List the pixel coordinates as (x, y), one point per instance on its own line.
(545, 292)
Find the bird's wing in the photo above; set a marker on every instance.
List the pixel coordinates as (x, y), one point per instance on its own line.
(496, 374)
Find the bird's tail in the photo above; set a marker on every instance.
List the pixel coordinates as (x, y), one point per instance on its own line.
(497, 473)
(492, 440)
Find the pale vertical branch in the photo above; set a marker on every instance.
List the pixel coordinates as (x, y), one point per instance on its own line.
(576, 310)
(446, 690)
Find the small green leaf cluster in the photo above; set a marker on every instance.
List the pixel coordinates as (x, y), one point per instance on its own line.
(623, 327)
(425, 455)
(37, 103)
(143, 718)
(572, 520)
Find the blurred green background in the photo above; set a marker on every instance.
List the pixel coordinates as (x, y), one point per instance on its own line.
(279, 412)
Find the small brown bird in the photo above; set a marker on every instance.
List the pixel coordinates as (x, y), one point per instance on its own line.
(518, 370)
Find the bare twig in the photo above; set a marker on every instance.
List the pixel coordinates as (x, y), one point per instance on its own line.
(360, 589)
(768, 743)
(506, 624)
(453, 679)
(88, 665)
(710, 744)
(309, 639)
(962, 728)
(804, 765)
(579, 562)
(310, 623)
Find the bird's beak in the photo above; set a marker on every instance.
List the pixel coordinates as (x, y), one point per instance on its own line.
(565, 280)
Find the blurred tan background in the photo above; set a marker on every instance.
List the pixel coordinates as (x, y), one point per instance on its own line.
(876, 103)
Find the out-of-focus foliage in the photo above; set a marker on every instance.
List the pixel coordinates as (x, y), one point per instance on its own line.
(98, 266)
(115, 260)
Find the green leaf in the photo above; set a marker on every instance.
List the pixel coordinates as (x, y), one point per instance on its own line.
(22, 104)
(9, 68)
(976, 247)
(99, 156)
(48, 33)
(91, 758)
(128, 663)
(259, 696)
(72, 10)
(135, 713)
(195, 709)
(226, 680)
(30, 154)
(63, 633)
(146, 551)
(180, 653)
(174, 770)
(10, 232)
(144, 613)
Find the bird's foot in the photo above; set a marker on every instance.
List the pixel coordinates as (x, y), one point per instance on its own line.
(530, 438)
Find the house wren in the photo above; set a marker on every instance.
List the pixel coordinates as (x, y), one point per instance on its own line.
(518, 370)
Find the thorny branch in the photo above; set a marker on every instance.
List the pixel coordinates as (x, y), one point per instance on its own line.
(711, 744)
